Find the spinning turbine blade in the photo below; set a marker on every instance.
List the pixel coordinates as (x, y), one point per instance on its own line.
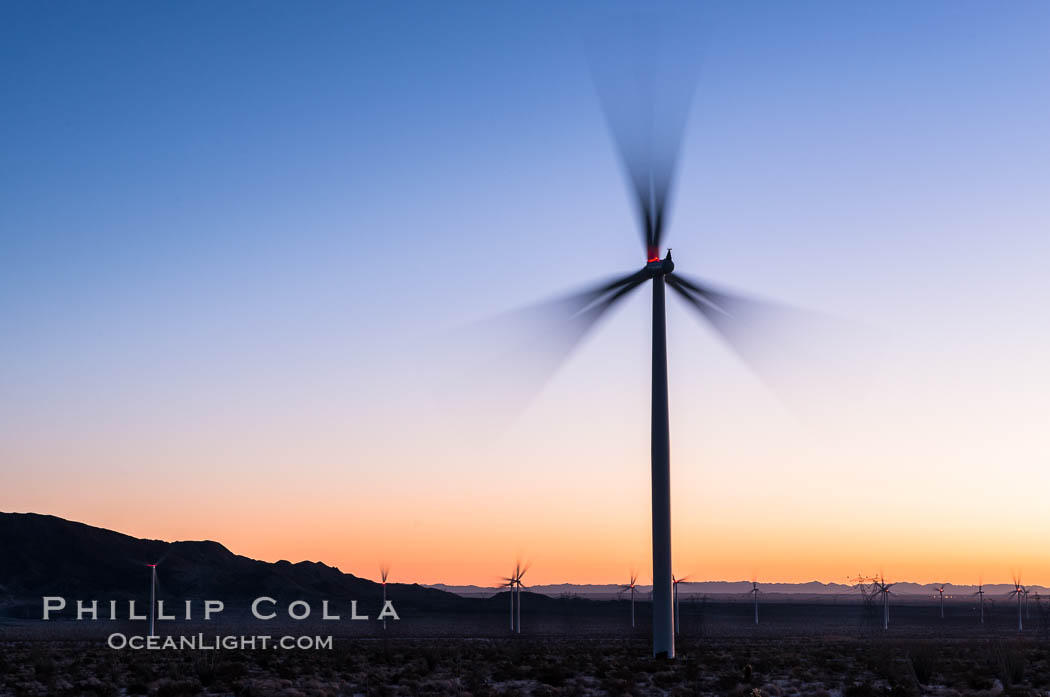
(645, 94)
(512, 356)
(787, 348)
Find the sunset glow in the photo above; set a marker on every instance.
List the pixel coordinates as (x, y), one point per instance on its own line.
(234, 273)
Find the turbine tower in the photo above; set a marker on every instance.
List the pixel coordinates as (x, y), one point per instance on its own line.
(754, 593)
(630, 588)
(152, 597)
(980, 594)
(677, 606)
(1018, 591)
(940, 590)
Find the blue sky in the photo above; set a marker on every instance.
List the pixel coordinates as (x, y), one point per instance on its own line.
(224, 224)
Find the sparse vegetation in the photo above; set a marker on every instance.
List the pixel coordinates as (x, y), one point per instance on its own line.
(531, 667)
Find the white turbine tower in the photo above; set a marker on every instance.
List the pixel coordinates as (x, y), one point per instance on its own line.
(677, 606)
(980, 593)
(630, 588)
(1018, 591)
(152, 597)
(384, 572)
(940, 590)
(754, 594)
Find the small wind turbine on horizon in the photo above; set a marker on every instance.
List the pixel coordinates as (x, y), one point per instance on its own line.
(1018, 591)
(514, 583)
(884, 589)
(630, 588)
(980, 594)
(152, 597)
(940, 590)
(384, 572)
(677, 605)
(754, 593)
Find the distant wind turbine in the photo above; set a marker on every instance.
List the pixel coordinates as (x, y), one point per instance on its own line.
(980, 593)
(677, 606)
(1018, 591)
(630, 588)
(514, 583)
(940, 590)
(509, 584)
(754, 593)
(884, 588)
(152, 597)
(384, 571)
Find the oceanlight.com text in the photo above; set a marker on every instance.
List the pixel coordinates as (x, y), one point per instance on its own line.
(215, 642)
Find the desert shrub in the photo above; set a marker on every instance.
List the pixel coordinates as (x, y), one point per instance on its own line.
(1009, 661)
(923, 660)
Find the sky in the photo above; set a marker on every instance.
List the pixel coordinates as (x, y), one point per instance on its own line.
(238, 244)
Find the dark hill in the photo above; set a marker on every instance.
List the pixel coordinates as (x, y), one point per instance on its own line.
(44, 555)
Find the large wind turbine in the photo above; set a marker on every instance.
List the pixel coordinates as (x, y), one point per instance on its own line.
(940, 590)
(650, 174)
(630, 588)
(980, 593)
(649, 146)
(754, 593)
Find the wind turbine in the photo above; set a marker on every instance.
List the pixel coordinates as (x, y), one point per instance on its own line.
(1018, 591)
(514, 583)
(980, 593)
(754, 593)
(152, 597)
(520, 573)
(647, 129)
(509, 584)
(940, 590)
(649, 159)
(677, 606)
(630, 587)
(384, 571)
(884, 588)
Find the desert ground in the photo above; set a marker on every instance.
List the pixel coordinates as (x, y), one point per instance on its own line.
(824, 650)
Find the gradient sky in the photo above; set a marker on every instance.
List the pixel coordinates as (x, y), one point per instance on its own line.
(233, 238)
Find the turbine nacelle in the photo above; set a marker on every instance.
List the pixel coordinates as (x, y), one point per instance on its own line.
(659, 267)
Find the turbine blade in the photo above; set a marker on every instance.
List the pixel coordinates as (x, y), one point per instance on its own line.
(496, 367)
(794, 352)
(645, 71)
